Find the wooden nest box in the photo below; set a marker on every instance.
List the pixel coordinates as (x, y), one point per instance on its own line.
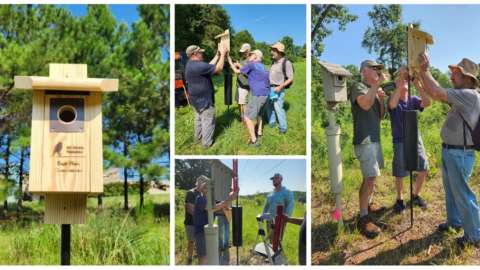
(66, 159)
(417, 43)
(224, 39)
(334, 82)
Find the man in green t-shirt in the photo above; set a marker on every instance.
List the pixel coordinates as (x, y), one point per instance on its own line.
(368, 110)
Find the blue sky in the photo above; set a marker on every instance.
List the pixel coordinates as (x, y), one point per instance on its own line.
(123, 13)
(254, 174)
(270, 23)
(453, 28)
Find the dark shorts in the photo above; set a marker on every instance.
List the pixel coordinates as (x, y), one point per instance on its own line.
(200, 244)
(254, 106)
(398, 164)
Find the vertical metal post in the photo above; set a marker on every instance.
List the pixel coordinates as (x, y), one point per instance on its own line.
(65, 244)
(408, 107)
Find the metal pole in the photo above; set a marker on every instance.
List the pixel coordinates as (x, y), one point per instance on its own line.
(408, 107)
(235, 171)
(65, 244)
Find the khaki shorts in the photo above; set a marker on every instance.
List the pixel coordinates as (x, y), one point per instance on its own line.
(190, 230)
(242, 96)
(370, 157)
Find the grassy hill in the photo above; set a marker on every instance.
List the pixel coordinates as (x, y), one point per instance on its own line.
(231, 135)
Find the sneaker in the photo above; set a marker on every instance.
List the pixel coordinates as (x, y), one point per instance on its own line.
(374, 208)
(418, 201)
(444, 227)
(283, 132)
(367, 227)
(463, 242)
(399, 206)
(254, 144)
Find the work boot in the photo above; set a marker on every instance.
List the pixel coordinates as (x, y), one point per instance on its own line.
(418, 201)
(374, 208)
(463, 242)
(368, 228)
(445, 227)
(399, 206)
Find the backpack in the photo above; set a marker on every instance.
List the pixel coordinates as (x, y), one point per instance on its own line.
(475, 133)
(242, 81)
(284, 70)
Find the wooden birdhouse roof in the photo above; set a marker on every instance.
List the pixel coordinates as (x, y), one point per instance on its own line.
(74, 78)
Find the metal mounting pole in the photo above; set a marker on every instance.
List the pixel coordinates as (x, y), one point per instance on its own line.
(65, 244)
(408, 107)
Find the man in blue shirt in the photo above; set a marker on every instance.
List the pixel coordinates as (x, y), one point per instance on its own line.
(398, 103)
(200, 216)
(258, 80)
(280, 196)
(198, 76)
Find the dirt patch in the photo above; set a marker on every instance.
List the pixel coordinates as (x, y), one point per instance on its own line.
(398, 243)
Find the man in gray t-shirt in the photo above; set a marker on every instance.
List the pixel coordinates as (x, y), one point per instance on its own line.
(368, 109)
(281, 77)
(458, 155)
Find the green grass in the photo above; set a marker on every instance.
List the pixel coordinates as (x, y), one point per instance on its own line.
(251, 208)
(110, 236)
(419, 245)
(231, 136)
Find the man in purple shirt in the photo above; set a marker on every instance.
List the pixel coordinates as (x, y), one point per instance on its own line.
(398, 103)
(259, 82)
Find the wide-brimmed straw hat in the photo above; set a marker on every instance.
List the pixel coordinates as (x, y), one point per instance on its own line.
(468, 68)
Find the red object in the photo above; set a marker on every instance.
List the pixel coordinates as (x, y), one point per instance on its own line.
(235, 175)
(280, 220)
(336, 214)
(179, 84)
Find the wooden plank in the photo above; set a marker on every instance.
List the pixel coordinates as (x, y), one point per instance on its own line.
(36, 143)
(222, 180)
(66, 84)
(65, 208)
(94, 115)
(77, 71)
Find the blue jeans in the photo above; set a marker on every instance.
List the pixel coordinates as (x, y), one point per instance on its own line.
(275, 109)
(461, 202)
(223, 232)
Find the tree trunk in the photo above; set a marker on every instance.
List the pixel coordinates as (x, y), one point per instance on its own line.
(141, 190)
(20, 180)
(100, 201)
(7, 170)
(125, 177)
(7, 158)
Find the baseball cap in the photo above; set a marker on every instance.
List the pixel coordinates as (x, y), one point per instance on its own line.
(245, 47)
(193, 49)
(276, 175)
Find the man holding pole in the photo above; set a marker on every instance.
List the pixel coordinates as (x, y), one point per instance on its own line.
(200, 217)
(368, 110)
(458, 156)
(398, 103)
(242, 81)
(198, 75)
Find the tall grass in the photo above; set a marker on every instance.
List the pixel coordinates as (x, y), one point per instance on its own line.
(231, 136)
(110, 237)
